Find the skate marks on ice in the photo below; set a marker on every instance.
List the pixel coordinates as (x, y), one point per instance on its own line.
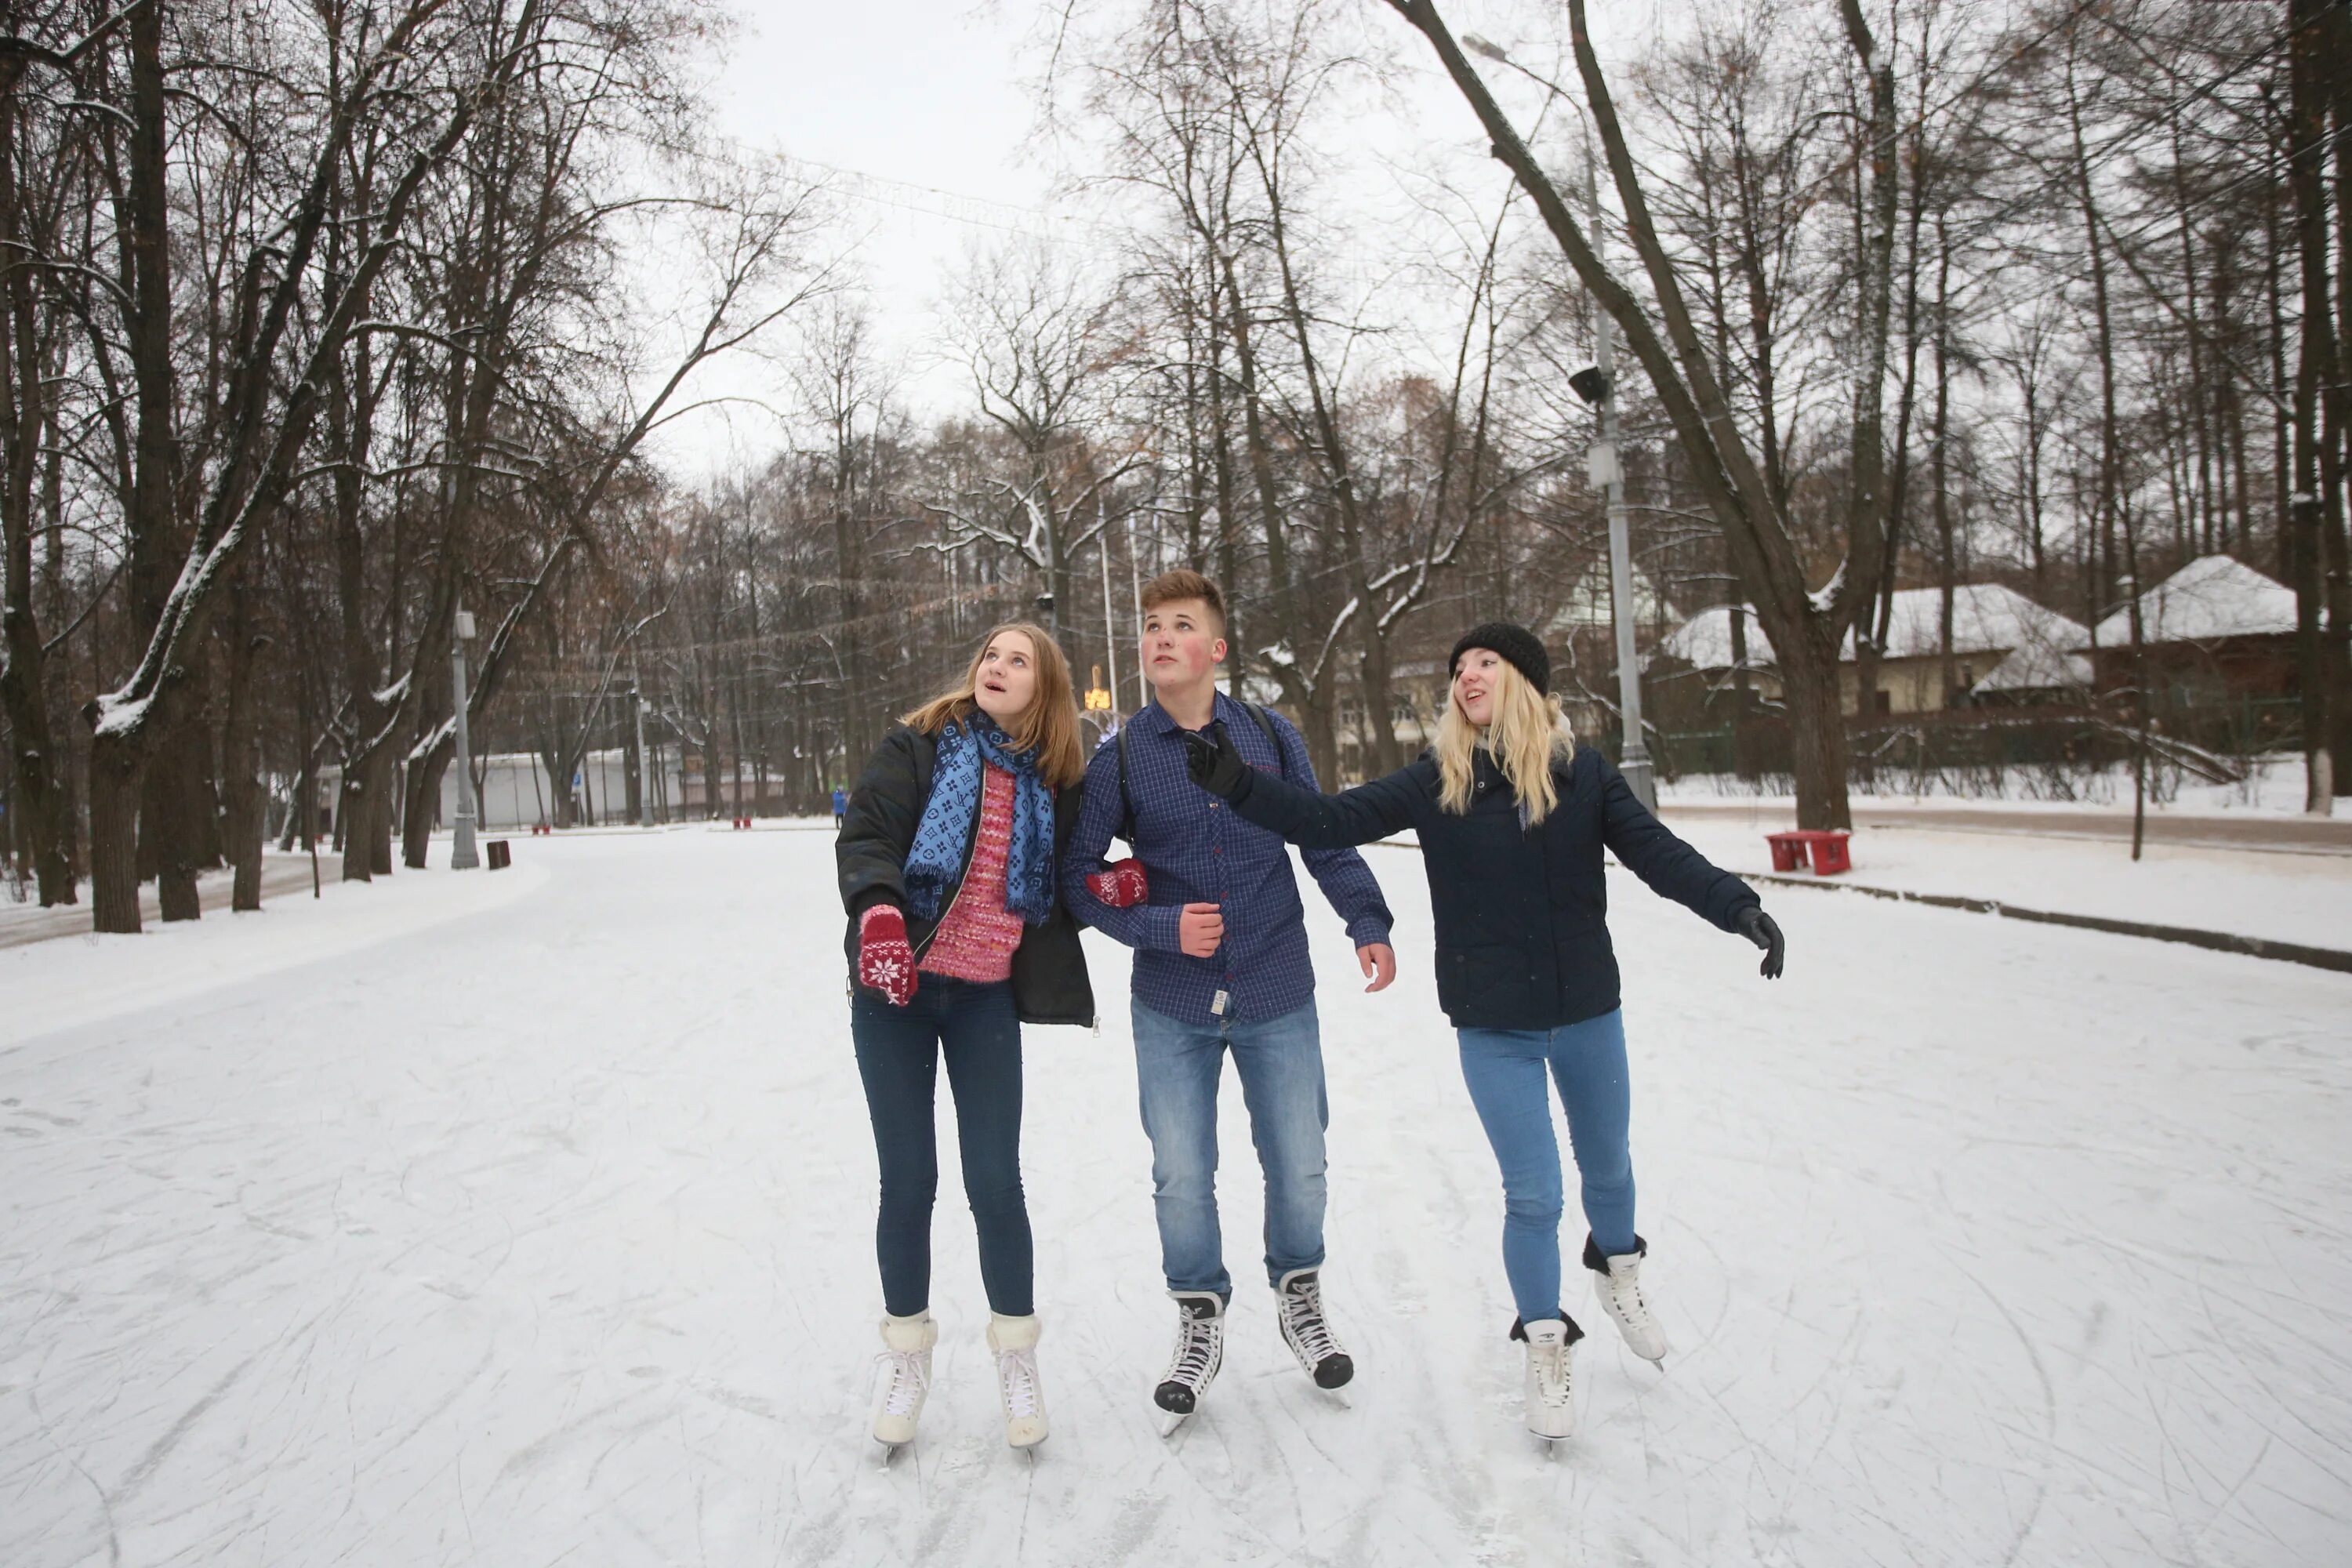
(2038, 1189)
(550, 1237)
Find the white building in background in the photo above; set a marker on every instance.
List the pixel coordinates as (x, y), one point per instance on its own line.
(1590, 606)
(2002, 644)
(514, 794)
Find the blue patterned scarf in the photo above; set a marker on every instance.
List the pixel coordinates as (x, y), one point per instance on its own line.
(943, 840)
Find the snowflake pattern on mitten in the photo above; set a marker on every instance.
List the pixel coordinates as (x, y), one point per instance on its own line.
(884, 961)
(1120, 884)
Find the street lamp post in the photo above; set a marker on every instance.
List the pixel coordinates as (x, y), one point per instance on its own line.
(644, 815)
(462, 856)
(1634, 759)
(1110, 632)
(1598, 387)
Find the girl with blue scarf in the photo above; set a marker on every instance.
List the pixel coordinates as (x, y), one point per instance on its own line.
(957, 938)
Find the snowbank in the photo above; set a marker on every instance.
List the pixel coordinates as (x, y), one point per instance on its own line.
(2275, 784)
(70, 982)
(2305, 898)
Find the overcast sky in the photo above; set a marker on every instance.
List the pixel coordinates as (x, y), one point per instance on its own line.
(921, 94)
(919, 91)
(933, 94)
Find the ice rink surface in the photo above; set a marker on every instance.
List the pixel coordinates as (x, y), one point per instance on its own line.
(542, 1235)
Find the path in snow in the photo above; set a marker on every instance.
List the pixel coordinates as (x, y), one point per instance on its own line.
(2240, 833)
(2293, 897)
(282, 876)
(542, 1235)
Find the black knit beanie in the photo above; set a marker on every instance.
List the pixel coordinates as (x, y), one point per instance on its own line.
(1520, 648)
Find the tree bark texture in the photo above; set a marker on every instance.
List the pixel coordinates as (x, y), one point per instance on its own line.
(43, 806)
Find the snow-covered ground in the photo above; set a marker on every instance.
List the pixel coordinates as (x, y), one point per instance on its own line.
(542, 1234)
(2302, 899)
(2275, 784)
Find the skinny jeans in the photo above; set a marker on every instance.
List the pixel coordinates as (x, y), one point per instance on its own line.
(1506, 1070)
(975, 1027)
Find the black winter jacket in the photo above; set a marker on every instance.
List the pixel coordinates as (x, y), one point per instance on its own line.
(1049, 969)
(1522, 934)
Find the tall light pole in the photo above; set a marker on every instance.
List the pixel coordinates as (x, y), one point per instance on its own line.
(1598, 387)
(1110, 633)
(462, 856)
(1134, 608)
(644, 812)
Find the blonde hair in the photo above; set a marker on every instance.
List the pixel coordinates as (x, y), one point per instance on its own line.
(1050, 722)
(1526, 735)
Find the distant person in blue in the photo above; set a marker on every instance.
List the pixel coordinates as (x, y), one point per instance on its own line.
(840, 806)
(1221, 966)
(1512, 816)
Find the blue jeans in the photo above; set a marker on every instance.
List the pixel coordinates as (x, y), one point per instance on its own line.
(1505, 1071)
(1176, 1066)
(898, 1049)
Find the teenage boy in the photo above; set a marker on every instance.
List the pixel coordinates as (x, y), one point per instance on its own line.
(1221, 965)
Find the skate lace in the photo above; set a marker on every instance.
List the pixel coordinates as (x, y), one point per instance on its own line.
(1196, 1346)
(1016, 1372)
(1553, 1367)
(1302, 1314)
(909, 1381)
(1626, 1293)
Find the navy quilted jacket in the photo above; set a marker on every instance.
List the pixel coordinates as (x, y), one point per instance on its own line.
(1521, 914)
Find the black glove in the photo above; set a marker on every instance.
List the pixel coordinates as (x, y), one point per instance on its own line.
(1214, 765)
(1757, 926)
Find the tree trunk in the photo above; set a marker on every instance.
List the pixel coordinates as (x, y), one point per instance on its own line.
(366, 814)
(176, 802)
(1742, 695)
(2306, 134)
(2336, 411)
(1318, 727)
(1383, 755)
(1261, 461)
(2334, 43)
(422, 805)
(1817, 744)
(632, 759)
(2110, 468)
(41, 807)
(1946, 566)
(119, 764)
(241, 762)
(115, 770)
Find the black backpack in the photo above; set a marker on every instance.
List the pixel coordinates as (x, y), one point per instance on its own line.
(1127, 801)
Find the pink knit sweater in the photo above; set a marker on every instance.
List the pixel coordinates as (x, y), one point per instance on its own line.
(975, 939)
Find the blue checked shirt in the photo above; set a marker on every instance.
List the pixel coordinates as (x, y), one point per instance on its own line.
(1196, 851)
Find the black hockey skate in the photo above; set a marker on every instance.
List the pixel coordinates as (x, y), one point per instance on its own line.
(1309, 1333)
(1200, 1352)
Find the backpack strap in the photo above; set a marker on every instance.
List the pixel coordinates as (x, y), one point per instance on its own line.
(1266, 722)
(1125, 801)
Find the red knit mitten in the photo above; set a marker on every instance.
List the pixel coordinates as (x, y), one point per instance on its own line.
(885, 962)
(1120, 884)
